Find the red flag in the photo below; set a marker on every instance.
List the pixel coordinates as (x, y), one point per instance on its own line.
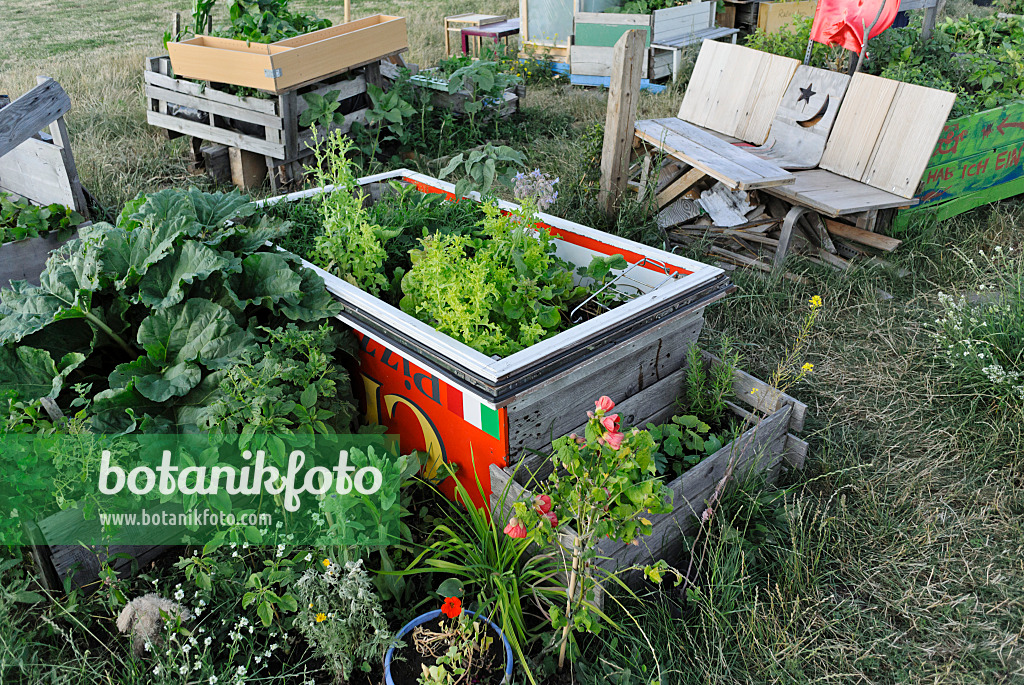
(842, 22)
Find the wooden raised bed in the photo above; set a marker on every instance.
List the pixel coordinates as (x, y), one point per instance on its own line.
(291, 63)
(767, 446)
(772, 16)
(265, 127)
(24, 260)
(979, 159)
(463, 407)
(442, 99)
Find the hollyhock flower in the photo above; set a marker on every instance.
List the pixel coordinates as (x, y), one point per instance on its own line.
(452, 607)
(614, 440)
(610, 422)
(542, 504)
(552, 519)
(605, 404)
(515, 529)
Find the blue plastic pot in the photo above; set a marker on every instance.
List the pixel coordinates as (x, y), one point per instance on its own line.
(430, 616)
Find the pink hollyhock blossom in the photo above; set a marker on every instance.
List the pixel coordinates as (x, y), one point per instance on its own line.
(610, 422)
(605, 404)
(614, 440)
(515, 529)
(552, 519)
(542, 504)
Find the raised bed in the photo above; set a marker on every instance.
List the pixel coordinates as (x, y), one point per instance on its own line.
(978, 159)
(772, 16)
(291, 63)
(24, 260)
(767, 446)
(263, 126)
(463, 407)
(442, 99)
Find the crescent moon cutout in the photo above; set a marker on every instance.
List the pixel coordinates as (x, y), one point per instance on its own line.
(807, 123)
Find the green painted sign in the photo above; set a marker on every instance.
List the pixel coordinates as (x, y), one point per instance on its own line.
(970, 174)
(605, 35)
(981, 132)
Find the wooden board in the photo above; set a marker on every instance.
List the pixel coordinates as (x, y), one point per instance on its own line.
(772, 17)
(606, 35)
(835, 195)
(857, 235)
(31, 113)
(886, 132)
(35, 170)
(858, 125)
(24, 260)
(982, 132)
(733, 166)
(678, 23)
(969, 175)
(804, 118)
(914, 123)
(736, 90)
(585, 60)
(291, 63)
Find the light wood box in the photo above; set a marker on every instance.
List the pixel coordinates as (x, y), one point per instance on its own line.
(288, 64)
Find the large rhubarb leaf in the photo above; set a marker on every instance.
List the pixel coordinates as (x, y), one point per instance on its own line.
(156, 383)
(266, 279)
(315, 304)
(163, 285)
(31, 373)
(196, 331)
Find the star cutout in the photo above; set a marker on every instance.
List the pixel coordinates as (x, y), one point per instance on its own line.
(806, 94)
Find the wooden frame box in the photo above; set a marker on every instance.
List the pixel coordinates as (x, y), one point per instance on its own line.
(773, 16)
(288, 64)
(463, 407)
(767, 446)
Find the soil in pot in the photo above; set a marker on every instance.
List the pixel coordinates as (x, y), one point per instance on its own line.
(407, 664)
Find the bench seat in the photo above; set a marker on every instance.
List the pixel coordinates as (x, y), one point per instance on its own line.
(834, 195)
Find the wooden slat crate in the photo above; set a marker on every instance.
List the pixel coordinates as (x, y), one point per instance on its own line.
(267, 127)
(767, 446)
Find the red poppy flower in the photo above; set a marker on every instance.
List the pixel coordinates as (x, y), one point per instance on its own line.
(452, 607)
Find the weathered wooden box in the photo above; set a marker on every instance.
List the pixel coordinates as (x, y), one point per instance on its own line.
(24, 260)
(767, 445)
(442, 99)
(291, 63)
(264, 126)
(463, 407)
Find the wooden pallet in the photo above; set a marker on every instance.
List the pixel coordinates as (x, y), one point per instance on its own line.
(265, 127)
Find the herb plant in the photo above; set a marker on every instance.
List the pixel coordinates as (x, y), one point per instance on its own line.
(708, 388)
(323, 110)
(20, 219)
(482, 167)
(682, 443)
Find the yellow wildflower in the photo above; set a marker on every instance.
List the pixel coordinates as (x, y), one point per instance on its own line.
(321, 617)
(326, 562)
(807, 367)
(815, 301)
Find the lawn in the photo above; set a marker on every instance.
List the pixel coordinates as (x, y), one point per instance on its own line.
(897, 556)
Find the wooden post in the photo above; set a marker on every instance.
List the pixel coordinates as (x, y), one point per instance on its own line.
(348, 11)
(623, 92)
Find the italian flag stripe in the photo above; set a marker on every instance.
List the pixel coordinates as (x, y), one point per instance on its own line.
(480, 415)
(453, 398)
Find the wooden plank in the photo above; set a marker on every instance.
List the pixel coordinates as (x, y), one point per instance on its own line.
(628, 63)
(248, 169)
(213, 107)
(858, 125)
(804, 118)
(875, 240)
(912, 126)
(36, 170)
(731, 165)
(605, 35)
(31, 113)
(24, 260)
(724, 206)
(766, 92)
(585, 60)
(672, 23)
(977, 133)
(208, 93)
(679, 186)
(965, 203)
(216, 135)
(621, 372)
(835, 195)
(635, 20)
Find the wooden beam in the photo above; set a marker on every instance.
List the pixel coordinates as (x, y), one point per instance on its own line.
(348, 12)
(34, 111)
(679, 186)
(857, 235)
(623, 92)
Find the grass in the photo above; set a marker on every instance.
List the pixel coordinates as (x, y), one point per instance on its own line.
(902, 557)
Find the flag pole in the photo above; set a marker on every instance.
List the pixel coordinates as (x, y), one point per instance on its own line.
(810, 41)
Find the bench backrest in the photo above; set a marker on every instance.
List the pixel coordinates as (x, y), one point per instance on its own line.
(885, 132)
(736, 90)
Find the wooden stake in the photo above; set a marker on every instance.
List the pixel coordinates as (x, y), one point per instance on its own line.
(348, 11)
(623, 92)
